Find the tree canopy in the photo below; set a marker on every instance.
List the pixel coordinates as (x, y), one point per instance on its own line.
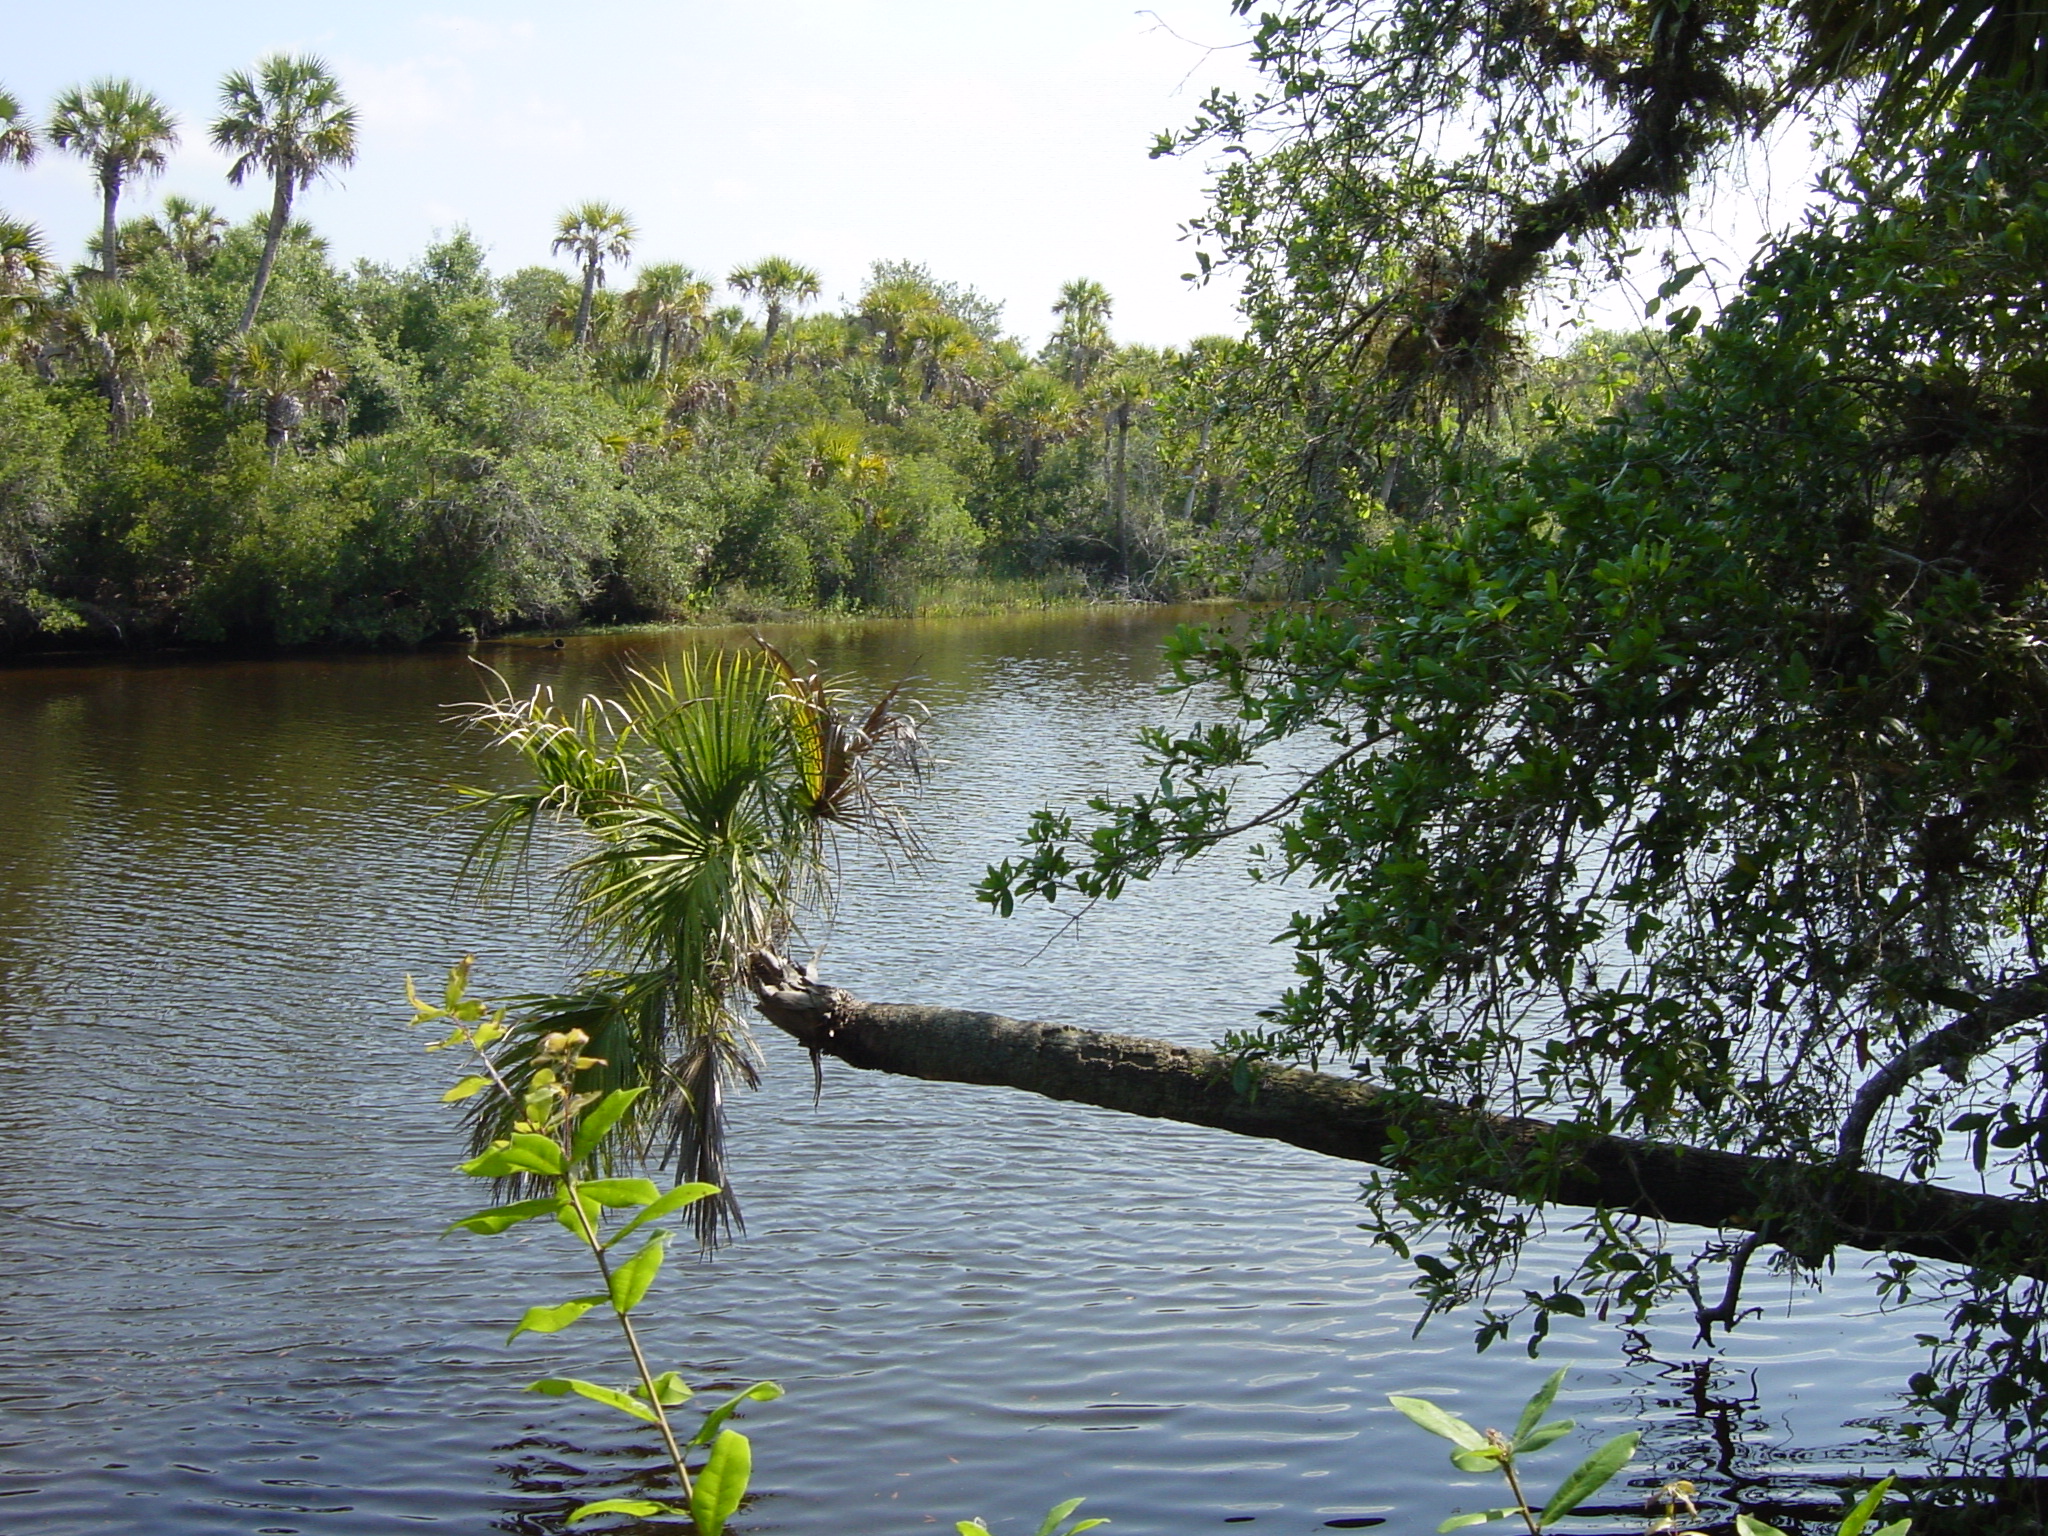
(1682, 765)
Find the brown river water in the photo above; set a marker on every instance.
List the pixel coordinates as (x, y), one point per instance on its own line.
(224, 1300)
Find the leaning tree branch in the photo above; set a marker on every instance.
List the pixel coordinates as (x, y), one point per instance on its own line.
(1951, 1047)
(1805, 1208)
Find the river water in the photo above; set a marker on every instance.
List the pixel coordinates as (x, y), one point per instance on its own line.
(224, 1301)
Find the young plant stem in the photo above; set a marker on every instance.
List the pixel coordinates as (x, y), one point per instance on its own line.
(1507, 1468)
(566, 1138)
(604, 1268)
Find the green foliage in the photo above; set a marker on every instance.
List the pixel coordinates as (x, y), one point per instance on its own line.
(1855, 1523)
(559, 1134)
(1492, 1451)
(1682, 777)
(706, 800)
(1054, 1523)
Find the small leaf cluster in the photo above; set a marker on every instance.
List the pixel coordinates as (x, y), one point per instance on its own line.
(1491, 1451)
(1054, 1523)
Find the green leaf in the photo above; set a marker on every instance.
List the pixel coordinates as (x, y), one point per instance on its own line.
(597, 1122)
(495, 1219)
(641, 1507)
(468, 1088)
(1055, 1515)
(552, 1319)
(1477, 1517)
(1537, 1406)
(1542, 1435)
(632, 1278)
(619, 1192)
(674, 1200)
(525, 1152)
(1437, 1422)
(714, 1421)
(1486, 1459)
(970, 1528)
(1749, 1525)
(1859, 1516)
(1589, 1476)
(1086, 1525)
(1896, 1528)
(670, 1390)
(722, 1483)
(562, 1386)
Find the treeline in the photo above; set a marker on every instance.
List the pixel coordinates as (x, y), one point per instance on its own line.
(214, 432)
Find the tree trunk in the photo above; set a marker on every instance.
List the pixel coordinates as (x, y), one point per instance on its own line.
(110, 187)
(273, 237)
(583, 308)
(1120, 491)
(1802, 1207)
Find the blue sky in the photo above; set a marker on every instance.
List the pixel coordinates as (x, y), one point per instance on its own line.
(1001, 142)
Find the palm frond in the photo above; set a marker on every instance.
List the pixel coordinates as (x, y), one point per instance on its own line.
(702, 798)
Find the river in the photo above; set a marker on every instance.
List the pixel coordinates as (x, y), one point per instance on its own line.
(228, 1307)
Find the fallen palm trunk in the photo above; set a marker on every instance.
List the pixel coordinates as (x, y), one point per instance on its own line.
(1803, 1207)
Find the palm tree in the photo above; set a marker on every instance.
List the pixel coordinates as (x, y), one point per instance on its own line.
(1082, 340)
(669, 305)
(707, 802)
(1921, 53)
(25, 267)
(17, 133)
(594, 234)
(295, 368)
(289, 122)
(1034, 409)
(781, 285)
(122, 131)
(192, 231)
(121, 332)
(1123, 396)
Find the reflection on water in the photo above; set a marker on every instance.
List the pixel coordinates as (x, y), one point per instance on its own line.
(227, 1308)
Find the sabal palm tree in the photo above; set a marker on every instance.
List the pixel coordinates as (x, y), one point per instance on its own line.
(891, 304)
(669, 306)
(1081, 341)
(781, 285)
(289, 122)
(192, 231)
(943, 345)
(1122, 396)
(17, 132)
(594, 233)
(24, 259)
(707, 802)
(296, 370)
(712, 381)
(123, 132)
(1035, 409)
(121, 332)
(25, 267)
(1921, 53)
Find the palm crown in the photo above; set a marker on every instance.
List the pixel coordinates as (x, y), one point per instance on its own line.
(288, 121)
(122, 131)
(17, 133)
(593, 233)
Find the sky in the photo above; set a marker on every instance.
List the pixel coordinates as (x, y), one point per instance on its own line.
(1003, 143)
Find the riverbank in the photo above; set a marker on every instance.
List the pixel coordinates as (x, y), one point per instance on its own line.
(988, 597)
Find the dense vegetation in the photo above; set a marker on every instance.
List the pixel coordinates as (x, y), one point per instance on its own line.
(218, 433)
(1686, 771)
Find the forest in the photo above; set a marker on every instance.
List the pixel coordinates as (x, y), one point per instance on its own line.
(214, 433)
